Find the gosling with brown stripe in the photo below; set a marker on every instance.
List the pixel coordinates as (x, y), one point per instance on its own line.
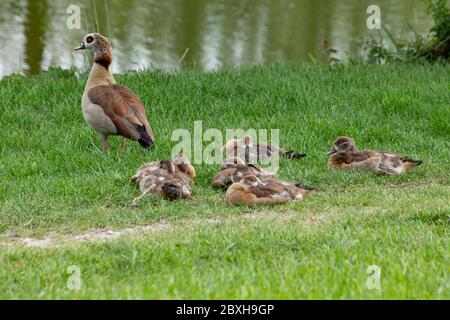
(110, 108)
(251, 191)
(343, 155)
(166, 179)
(251, 152)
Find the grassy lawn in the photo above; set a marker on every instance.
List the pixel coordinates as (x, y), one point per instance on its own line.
(55, 178)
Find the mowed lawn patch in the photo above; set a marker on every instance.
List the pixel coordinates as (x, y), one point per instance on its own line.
(55, 178)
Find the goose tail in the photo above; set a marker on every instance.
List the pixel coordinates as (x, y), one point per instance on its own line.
(409, 163)
(305, 187)
(291, 154)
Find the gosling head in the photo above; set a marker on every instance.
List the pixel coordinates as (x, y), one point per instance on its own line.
(180, 159)
(167, 165)
(251, 180)
(342, 145)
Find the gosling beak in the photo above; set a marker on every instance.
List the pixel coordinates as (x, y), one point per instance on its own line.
(80, 47)
(332, 151)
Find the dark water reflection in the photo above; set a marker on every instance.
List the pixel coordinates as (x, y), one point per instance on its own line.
(212, 34)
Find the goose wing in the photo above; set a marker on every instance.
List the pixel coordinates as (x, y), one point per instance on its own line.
(125, 110)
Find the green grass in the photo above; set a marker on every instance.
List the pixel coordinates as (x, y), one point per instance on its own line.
(54, 177)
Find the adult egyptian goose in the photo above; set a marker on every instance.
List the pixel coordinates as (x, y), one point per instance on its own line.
(251, 152)
(251, 190)
(110, 108)
(166, 179)
(343, 155)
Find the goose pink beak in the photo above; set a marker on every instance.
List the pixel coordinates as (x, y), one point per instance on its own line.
(80, 47)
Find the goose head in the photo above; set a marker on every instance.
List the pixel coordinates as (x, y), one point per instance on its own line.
(101, 47)
(95, 42)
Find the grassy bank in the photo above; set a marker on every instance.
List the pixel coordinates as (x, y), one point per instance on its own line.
(54, 178)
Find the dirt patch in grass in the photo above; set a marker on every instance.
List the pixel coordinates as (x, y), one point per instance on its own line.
(55, 240)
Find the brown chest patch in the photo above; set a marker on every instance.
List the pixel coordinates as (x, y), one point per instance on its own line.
(103, 58)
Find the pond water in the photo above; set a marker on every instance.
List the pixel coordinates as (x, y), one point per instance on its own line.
(203, 34)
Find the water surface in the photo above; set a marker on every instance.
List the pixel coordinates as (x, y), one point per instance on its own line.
(203, 34)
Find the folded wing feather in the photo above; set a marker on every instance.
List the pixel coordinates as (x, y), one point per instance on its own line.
(123, 107)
